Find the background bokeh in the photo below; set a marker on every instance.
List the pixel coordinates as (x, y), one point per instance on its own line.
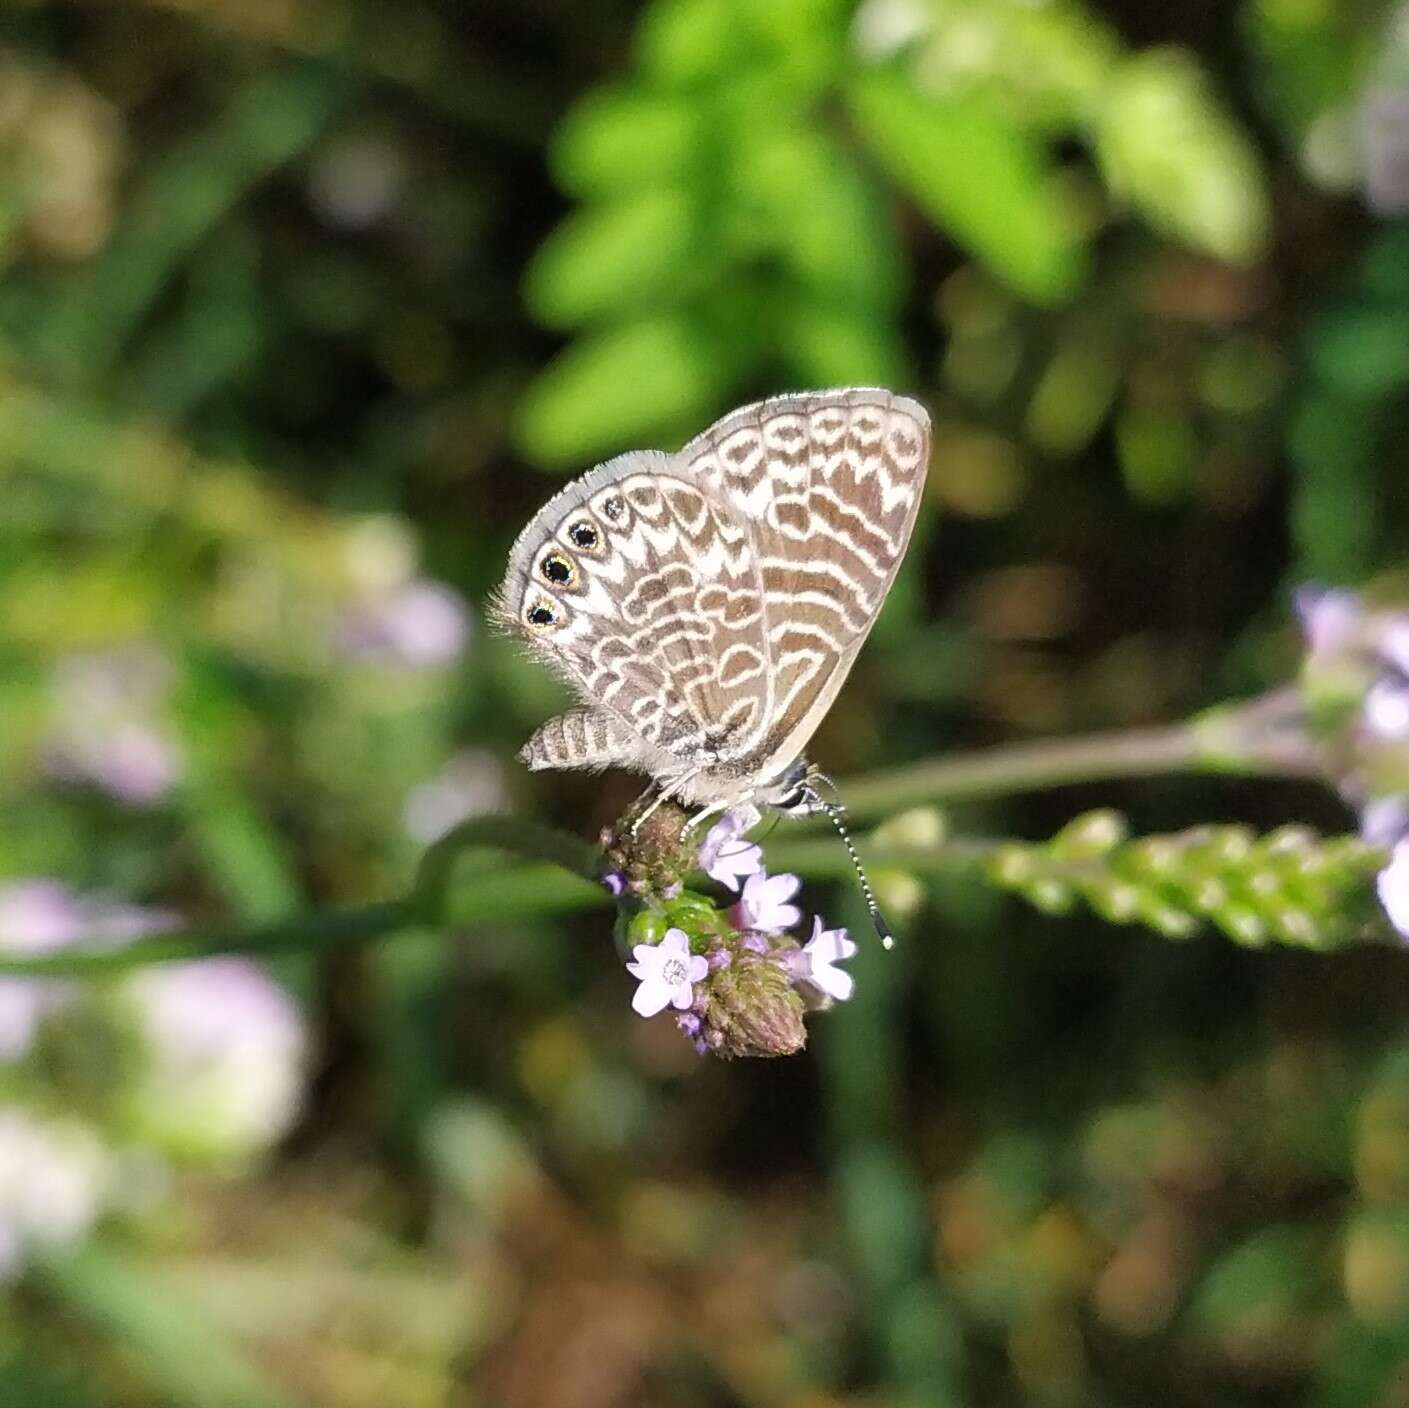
(305, 306)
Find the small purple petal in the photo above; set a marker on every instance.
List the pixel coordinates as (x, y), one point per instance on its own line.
(764, 903)
(825, 949)
(666, 973)
(614, 882)
(1393, 887)
(1384, 821)
(1330, 616)
(725, 856)
(689, 1023)
(1387, 711)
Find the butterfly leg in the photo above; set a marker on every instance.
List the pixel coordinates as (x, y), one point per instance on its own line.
(664, 795)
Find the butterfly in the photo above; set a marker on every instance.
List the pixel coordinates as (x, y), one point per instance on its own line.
(706, 606)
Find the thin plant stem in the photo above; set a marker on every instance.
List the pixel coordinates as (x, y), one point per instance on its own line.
(1262, 736)
(1258, 738)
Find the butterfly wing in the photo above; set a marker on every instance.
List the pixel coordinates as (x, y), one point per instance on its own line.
(642, 589)
(829, 484)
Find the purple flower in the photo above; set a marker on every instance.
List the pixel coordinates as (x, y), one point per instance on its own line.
(36, 916)
(105, 729)
(1385, 821)
(1393, 887)
(1331, 617)
(226, 1052)
(614, 883)
(822, 952)
(764, 906)
(1386, 710)
(470, 784)
(1384, 140)
(725, 856)
(55, 1178)
(667, 972)
(418, 625)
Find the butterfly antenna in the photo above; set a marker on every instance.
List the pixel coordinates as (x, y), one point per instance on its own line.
(836, 814)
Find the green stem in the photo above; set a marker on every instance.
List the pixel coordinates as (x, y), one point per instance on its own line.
(565, 882)
(1260, 737)
(500, 832)
(304, 931)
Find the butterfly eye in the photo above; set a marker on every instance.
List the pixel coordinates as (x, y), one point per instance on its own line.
(557, 569)
(541, 615)
(584, 535)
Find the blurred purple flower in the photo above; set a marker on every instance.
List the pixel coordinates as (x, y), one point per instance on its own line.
(36, 916)
(105, 730)
(1330, 617)
(227, 1051)
(55, 1179)
(1356, 684)
(42, 916)
(470, 784)
(1385, 821)
(614, 883)
(821, 953)
(1393, 887)
(1384, 140)
(420, 624)
(764, 905)
(725, 856)
(666, 972)
(357, 181)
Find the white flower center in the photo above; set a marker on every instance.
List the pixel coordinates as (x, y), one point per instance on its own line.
(673, 971)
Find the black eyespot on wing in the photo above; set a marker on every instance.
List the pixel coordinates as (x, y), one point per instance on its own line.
(584, 535)
(557, 569)
(612, 507)
(541, 616)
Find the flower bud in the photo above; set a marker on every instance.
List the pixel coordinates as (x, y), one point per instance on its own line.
(653, 853)
(751, 1009)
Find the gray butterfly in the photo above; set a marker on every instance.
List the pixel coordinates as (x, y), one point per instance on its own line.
(708, 605)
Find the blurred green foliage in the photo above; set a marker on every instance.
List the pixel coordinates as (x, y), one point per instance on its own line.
(296, 299)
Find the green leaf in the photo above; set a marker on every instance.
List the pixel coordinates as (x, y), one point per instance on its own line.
(827, 345)
(1167, 147)
(1363, 352)
(622, 388)
(185, 1357)
(626, 138)
(1264, 1280)
(827, 219)
(988, 185)
(681, 43)
(639, 251)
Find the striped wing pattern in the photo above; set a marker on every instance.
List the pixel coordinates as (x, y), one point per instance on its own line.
(707, 606)
(658, 624)
(830, 484)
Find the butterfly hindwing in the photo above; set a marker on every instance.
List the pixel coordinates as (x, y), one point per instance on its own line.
(643, 592)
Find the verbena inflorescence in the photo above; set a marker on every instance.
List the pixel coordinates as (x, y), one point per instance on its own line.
(738, 975)
(1355, 682)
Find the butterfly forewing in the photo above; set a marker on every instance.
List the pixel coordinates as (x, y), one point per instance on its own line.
(830, 484)
(707, 606)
